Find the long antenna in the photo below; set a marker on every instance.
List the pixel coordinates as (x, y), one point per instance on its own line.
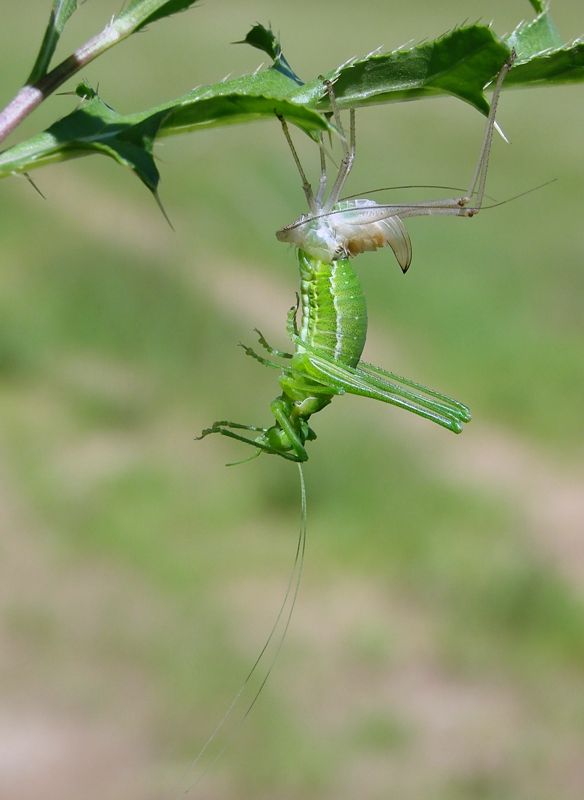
(284, 615)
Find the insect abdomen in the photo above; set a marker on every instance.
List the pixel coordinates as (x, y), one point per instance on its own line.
(334, 313)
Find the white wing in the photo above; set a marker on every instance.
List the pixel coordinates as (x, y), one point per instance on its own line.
(399, 240)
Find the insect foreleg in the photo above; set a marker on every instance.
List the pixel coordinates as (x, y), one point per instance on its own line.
(225, 423)
(226, 428)
(291, 325)
(271, 350)
(265, 361)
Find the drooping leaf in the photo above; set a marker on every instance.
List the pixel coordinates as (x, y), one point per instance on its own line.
(265, 39)
(60, 13)
(139, 13)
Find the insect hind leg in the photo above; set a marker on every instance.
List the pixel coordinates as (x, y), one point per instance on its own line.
(398, 392)
(477, 184)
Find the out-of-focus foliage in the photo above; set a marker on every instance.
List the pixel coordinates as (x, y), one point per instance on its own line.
(437, 646)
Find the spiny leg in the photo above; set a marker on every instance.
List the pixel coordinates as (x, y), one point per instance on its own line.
(306, 187)
(271, 350)
(226, 428)
(346, 379)
(413, 392)
(229, 433)
(225, 423)
(265, 361)
(368, 371)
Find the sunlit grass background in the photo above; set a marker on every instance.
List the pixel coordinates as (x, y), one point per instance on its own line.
(438, 643)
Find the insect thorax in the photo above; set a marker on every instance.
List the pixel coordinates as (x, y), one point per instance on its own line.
(316, 235)
(350, 227)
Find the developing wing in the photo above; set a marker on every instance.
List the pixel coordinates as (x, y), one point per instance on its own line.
(372, 226)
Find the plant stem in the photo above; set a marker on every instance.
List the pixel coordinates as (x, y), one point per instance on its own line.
(31, 96)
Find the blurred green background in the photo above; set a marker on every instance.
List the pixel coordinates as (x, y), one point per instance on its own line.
(437, 647)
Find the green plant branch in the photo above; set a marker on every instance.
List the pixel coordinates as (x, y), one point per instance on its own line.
(60, 13)
(138, 14)
(459, 63)
(31, 96)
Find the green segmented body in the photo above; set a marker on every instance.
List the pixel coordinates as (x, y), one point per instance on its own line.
(327, 361)
(334, 312)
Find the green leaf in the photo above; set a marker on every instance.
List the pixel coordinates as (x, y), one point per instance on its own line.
(538, 5)
(139, 13)
(95, 127)
(460, 63)
(265, 39)
(532, 38)
(564, 65)
(542, 57)
(60, 13)
(240, 100)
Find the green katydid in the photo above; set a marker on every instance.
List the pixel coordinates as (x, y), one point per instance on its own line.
(330, 339)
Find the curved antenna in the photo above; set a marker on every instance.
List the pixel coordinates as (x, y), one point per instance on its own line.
(449, 206)
(521, 194)
(407, 186)
(284, 615)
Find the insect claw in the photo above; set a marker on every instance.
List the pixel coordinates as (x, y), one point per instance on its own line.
(206, 432)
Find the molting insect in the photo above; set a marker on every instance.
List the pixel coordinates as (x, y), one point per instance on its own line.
(330, 339)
